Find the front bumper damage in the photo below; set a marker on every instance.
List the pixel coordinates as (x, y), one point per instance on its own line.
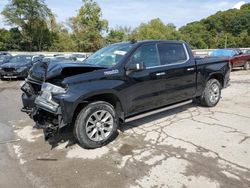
(46, 105)
(40, 106)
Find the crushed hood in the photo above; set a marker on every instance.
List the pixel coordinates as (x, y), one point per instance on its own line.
(60, 70)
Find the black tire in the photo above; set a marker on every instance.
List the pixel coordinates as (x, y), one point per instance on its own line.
(82, 122)
(206, 98)
(247, 65)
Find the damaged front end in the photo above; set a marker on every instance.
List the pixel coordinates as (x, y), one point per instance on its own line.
(48, 99)
(41, 106)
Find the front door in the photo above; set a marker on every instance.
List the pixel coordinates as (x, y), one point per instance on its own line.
(145, 84)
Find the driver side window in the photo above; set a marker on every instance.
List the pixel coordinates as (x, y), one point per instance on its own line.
(147, 54)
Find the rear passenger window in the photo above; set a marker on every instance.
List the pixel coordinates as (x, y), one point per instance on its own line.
(147, 54)
(172, 53)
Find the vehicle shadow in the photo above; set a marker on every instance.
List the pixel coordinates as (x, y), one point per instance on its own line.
(154, 117)
(237, 69)
(66, 134)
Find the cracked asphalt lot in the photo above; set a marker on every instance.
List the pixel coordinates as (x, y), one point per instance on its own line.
(190, 146)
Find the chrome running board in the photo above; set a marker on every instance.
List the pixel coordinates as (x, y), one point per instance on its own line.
(158, 111)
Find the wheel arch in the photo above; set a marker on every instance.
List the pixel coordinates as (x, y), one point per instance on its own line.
(217, 76)
(110, 98)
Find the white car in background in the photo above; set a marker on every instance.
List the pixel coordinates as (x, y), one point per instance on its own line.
(78, 57)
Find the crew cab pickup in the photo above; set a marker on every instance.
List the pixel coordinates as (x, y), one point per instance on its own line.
(118, 82)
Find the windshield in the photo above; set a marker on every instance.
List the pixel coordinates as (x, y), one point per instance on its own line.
(225, 53)
(21, 59)
(246, 51)
(109, 56)
(3, 57)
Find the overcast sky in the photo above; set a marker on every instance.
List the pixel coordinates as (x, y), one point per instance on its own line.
(134, 12)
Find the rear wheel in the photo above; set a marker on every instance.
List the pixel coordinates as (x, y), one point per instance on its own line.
(247, 65)
(211, 94)
(96, 125)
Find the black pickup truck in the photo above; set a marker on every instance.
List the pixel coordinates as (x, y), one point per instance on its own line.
(118, 82)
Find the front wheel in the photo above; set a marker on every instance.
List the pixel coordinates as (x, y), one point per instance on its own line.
(96, 125)
(211, 94)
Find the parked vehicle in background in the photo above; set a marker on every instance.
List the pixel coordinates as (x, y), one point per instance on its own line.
(246, 51)
(117, 82)
(48, 58)
(200, 54)
(5, 53)
(18, 66)
(236, 57)
(55, 55)
(61, 59)
(36, 58)
(4, 58)
(78, 57)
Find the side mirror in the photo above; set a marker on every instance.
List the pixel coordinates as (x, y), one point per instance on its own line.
(138, 66)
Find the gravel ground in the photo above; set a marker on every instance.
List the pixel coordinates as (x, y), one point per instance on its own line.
(189, 146)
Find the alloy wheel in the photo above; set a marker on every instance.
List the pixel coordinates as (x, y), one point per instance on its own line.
(214, 93)
(99, 125)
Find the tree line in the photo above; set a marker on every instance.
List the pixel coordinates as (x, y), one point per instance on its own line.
(34, 28)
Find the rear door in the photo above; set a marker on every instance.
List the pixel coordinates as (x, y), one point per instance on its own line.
(179, 71)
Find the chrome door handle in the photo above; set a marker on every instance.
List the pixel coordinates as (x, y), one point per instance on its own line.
(190, 69)
(160, 74)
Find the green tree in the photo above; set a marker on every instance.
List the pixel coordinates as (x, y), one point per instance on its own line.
(119, 34)
(88, 27)
(115, 36)
(63, 40)
(10, 40)
(4, 39)
(245, 6)
(229, 28)
(15, 40)
(31, 17)
(155, 29)
(196, 35)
